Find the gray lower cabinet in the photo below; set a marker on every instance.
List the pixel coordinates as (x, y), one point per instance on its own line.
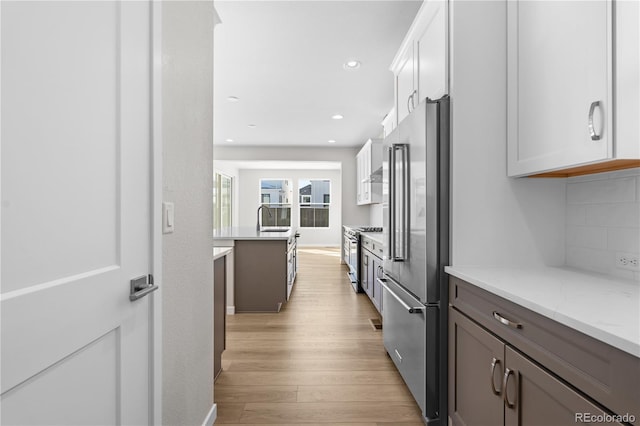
(511, 366)
(365, 281)
(375, 265)
(219, 313)
(370, 263)
(473, 381)
(492, 384)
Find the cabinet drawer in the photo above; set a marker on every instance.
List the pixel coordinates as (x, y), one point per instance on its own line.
(606, 374)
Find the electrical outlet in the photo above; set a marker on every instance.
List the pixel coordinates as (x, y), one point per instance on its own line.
(627, 261)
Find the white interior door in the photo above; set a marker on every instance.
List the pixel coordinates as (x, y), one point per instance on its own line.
(76, 221)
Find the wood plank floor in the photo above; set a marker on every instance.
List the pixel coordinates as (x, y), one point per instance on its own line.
(317, 362)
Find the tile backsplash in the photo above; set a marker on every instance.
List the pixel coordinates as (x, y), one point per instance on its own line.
(603, 219)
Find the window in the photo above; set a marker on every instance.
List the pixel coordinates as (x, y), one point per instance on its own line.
(222, 201)
(315, 199)
(276, 194)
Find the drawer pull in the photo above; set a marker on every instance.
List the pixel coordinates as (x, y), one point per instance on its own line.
(494, 363)
(507, 373)
(503, 320)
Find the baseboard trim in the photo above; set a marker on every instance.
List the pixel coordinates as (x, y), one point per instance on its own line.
(211, 417)
(231, 310)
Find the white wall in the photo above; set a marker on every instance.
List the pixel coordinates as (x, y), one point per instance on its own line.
(352, 214)
(495, 220)
(250, 200)
(375, 215)
(187, 41)
(603, 218)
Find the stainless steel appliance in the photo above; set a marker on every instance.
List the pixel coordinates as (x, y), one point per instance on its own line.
(352, 251)
(416, 232)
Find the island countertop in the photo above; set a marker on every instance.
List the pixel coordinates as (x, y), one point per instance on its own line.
(603, 307)
(250, 233)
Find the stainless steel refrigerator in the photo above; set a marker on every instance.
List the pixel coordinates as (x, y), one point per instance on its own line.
(416, 232)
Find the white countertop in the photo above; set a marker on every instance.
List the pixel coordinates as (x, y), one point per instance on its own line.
(250, 233)
(603, 307)
(221, 251)
(375, 236)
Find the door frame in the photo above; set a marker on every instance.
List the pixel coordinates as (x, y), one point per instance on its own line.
(155, 373)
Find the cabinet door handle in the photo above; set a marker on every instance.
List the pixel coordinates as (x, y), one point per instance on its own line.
(494, 364)
(592, 131)
(511, 404)
(503, 320)
(411, 102)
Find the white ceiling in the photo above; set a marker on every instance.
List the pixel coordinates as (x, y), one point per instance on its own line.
(284, 61)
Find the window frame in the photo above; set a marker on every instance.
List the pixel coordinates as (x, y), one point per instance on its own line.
(310, 204)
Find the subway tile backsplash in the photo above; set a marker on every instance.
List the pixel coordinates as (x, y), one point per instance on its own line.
(602, 219)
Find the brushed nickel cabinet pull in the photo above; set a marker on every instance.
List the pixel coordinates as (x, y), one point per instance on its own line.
(592, 131)
(503, 320)
(494, 363)
(511, 404)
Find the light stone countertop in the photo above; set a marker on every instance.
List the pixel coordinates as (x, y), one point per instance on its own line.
(603, 307)
(375, 236)
(250, 233)
(221, 251)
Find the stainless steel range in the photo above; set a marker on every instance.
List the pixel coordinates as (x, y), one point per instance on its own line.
(351, 251)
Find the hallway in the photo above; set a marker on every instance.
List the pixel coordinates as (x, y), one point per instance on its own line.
(318, 361)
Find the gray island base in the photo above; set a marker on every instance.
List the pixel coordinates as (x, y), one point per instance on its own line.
(265, 265)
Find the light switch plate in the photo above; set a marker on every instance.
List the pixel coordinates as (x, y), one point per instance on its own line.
(167, 218)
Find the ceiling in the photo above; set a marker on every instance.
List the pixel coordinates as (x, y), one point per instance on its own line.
(284, 60)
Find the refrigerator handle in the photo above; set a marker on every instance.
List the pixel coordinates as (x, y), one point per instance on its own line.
(392, 190)
(400, 207)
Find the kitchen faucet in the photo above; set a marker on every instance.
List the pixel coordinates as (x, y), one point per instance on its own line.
(258, 216)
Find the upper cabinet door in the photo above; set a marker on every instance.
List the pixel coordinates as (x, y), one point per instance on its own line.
(405, 84)
(431, 46)
(559, 84)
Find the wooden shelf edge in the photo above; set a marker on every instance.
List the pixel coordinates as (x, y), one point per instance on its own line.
(606, 166)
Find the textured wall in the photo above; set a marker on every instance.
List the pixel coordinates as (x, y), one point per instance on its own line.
(603, 218)
(187, 37)
(496, 220)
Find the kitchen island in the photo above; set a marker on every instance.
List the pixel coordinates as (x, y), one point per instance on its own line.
(265, 265)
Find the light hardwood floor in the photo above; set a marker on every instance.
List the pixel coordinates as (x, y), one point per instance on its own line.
(318, 361)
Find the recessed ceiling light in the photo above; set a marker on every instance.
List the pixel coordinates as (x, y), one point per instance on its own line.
(251, 126)
(337, 117)
(233, 98)
(228, 140)
(351, 64)
(331, 141)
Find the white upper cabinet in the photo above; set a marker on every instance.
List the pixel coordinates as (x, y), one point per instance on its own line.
(560, 87)
(369, 172)
(390, 122)
(431, 47)
(421, 64)
(405, 83)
